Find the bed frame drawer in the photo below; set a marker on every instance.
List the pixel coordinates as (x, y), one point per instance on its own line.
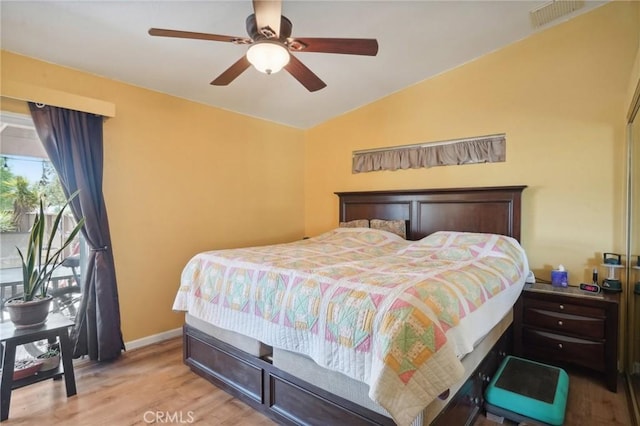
(231, 371)
(301, 406)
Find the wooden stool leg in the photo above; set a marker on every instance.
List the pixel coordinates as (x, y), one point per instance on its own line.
(8, 362)
(67, 362)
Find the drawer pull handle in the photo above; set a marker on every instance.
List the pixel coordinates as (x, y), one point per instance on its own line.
(560, 345)
(559, 322)
(561, 306)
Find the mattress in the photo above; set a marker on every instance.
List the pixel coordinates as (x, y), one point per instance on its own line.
(244, 343)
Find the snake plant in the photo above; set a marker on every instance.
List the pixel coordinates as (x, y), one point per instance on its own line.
(40, 260)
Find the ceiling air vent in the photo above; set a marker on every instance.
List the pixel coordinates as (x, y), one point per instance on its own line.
(553, 10)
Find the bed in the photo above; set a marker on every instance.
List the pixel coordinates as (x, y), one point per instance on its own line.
(348, 365)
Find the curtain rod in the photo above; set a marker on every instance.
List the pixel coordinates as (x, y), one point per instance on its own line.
(428, 144)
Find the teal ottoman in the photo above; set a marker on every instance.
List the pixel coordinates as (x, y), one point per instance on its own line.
(528, 391)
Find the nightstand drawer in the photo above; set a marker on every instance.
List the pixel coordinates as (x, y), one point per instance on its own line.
(563, 348)
(567, 308)
(567, 323)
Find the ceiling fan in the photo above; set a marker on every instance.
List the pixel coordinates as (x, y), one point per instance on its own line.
(270, 46)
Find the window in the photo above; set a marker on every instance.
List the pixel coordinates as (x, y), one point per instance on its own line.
(26, 177)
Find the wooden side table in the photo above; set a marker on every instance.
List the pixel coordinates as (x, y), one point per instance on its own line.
(568, 326)
(57, 326)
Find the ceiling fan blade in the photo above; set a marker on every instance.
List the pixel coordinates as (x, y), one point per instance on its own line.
(348, 46)
(268, 14)
(232, 72)
(304, 75)
(198, 36)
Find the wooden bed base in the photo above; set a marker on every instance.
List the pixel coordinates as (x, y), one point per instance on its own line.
(288, 399)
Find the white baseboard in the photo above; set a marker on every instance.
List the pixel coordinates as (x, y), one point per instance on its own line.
(156, 338)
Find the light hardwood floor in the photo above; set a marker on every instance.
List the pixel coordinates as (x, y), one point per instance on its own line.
(151, 385)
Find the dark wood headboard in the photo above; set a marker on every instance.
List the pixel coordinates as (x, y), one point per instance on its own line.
(494, 210)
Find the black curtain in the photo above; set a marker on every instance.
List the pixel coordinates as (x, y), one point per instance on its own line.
(73, 141)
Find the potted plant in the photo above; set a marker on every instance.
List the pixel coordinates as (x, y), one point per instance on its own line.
(38, 264)
(51, 358)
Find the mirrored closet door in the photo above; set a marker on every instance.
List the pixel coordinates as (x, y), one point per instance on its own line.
(632, 295)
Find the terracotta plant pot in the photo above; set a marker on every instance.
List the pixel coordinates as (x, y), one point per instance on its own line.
(28, 314)
(26, 368)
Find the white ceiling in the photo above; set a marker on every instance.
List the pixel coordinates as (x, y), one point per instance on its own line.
(417, 39)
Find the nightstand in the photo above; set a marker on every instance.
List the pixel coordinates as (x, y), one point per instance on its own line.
(567, 326)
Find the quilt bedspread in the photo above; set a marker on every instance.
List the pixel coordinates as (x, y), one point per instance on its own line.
(362, 302)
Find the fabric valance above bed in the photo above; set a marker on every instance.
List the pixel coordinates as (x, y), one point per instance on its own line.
(391, 313)
(481, 149)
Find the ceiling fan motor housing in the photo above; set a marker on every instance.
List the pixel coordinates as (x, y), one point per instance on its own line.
(266, 33)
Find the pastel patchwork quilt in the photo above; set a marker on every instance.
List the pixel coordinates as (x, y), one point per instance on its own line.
(363, 302)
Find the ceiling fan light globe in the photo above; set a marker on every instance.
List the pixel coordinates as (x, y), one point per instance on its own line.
(268, 56)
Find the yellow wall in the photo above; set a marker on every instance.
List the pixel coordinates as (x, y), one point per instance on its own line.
(179, 178)
(560, 96)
